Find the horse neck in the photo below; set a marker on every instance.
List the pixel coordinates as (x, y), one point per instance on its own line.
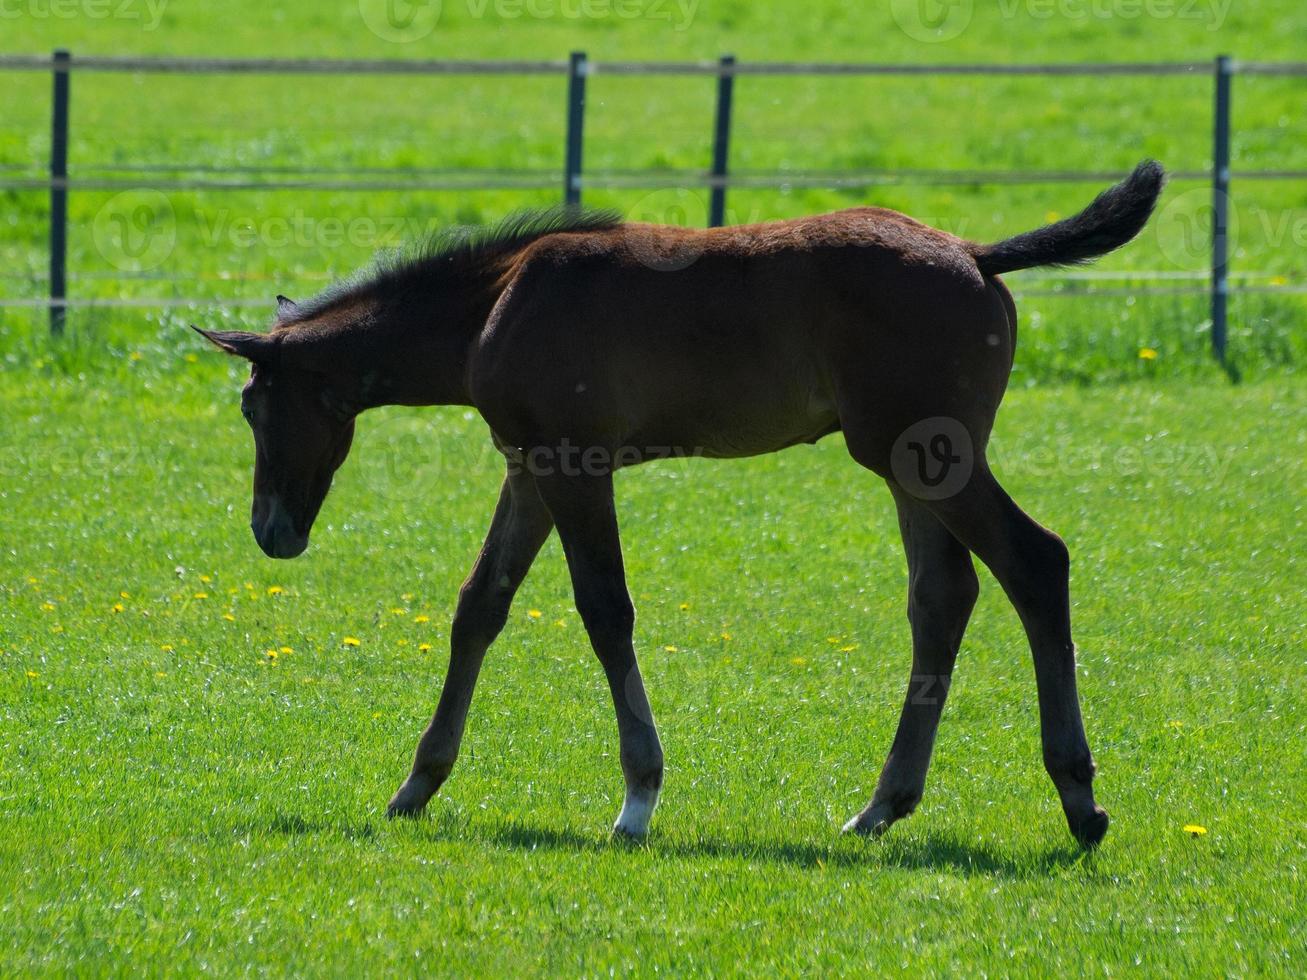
(407, 351)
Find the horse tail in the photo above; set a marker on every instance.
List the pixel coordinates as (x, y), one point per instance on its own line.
(1117, 215)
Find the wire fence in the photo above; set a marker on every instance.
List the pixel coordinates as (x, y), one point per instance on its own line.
(572, 180)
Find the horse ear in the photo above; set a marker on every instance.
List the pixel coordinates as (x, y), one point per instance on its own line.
(286, 308)
(251, 346)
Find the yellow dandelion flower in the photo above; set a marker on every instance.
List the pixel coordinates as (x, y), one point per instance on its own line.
(421, 619)
(124, 595)
(397, 612)
(201, 595)
(118, 607)
(33, 674)
(160, 673)
(376, 715)
(351, 641)
(832, 640)
(849, 649)
(270, 654)
(424, 647)
(229, 617)
(275, 590)
(669, 648)
(285, 650)
(798, 661)
(684, 606)
(726, 636)
(48, 606)
(1147, 354)
(1194, 830)
(206, 579)
(166, 648)
(32, 580)
(534, 613)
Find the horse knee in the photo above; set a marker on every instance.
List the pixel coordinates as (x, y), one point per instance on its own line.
(945, 596)
(607, 611)
(480, 615)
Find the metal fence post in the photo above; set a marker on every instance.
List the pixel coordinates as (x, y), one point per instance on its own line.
(721, 141)
(59, 192)
(1221, 207)
(575, 126)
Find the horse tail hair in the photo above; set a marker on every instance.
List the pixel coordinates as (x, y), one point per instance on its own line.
(1117, 215)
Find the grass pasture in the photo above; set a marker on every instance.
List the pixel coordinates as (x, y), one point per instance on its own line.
(197, 744)
(175, 798)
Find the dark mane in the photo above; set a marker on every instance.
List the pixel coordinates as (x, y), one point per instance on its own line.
(452, 252)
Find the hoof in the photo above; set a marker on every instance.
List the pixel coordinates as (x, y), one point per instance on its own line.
(629, 835)
(409, 801)
(871, 822)
(633, 822)
(1090, 830)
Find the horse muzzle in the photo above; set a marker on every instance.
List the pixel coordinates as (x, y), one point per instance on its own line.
(274, 529)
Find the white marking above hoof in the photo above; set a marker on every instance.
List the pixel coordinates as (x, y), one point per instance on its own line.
(636, 813)
(869, 823)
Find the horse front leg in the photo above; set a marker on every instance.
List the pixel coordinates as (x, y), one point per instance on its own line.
(584, 512)
(520, 526)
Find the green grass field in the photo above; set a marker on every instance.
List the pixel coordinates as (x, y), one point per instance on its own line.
(197, 744)
(174, 798)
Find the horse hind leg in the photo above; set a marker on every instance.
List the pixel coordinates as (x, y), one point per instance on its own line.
(1032, 564)
(942, 590)
(939, 461)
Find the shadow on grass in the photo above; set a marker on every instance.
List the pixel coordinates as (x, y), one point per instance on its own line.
(944, 853)
(293, 825)
(936, 852)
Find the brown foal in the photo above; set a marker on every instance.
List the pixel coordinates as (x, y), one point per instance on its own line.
(588, 344)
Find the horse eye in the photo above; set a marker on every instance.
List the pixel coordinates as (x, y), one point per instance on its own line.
(248, 413)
